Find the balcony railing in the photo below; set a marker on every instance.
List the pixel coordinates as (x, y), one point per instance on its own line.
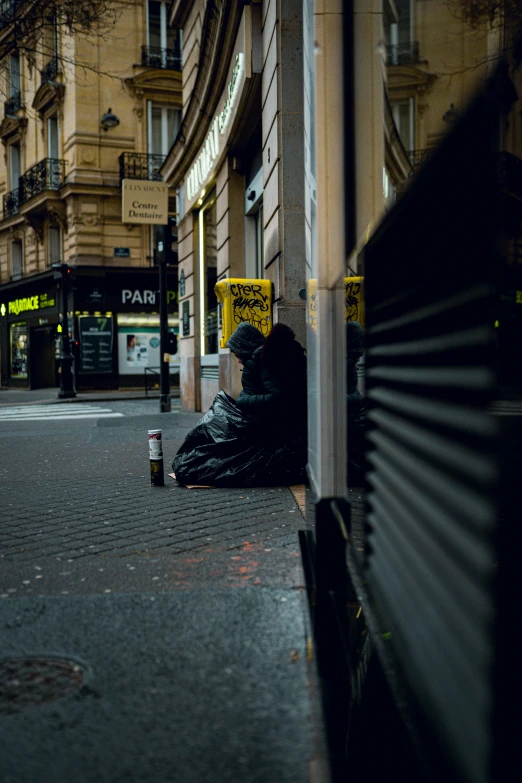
(139, 165)
(156, 57)
(11, 203)
(403, 54)
(50, 71)
(13, 104)
(48, 174)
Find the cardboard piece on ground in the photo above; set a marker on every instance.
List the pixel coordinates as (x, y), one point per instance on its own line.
(194, 486)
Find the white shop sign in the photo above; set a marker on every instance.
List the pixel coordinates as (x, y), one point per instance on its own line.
(138, 297)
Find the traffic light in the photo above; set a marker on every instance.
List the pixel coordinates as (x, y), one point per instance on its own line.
(172, 343)
(166, 242)
(61, 271)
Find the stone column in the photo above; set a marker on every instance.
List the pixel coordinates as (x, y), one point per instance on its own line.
(283, 158)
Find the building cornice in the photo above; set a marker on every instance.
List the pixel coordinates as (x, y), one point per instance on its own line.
(408, 80)
(218, 34)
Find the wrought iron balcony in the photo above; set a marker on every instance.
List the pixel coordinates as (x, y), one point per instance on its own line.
(50, 71)
(11, 203)
(140, 165)
(48, 174)
(13, 104)
(156, 57)
(403, 54)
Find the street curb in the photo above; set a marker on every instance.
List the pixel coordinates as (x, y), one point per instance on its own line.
(55, 401)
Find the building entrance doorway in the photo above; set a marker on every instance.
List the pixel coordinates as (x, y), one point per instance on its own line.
(42, 358)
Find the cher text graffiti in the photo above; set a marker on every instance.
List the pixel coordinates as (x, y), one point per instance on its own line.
(251, 305)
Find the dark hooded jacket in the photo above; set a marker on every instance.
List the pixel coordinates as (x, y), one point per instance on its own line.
(274, 382)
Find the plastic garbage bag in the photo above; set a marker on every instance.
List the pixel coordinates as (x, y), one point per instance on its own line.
(228, 448)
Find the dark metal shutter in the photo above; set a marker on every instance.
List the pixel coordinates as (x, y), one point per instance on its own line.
(432, 507)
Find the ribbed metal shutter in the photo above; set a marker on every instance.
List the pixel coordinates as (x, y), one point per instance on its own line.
(432, 507)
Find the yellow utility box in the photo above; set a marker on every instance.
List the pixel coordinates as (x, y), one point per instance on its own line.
(244, 300)
(353, 300)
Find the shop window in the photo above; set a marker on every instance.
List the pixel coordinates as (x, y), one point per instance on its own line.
(254, 264)
(19, 350)
(17, 261)
(163, 126)
(258, 218)
(54, 238)
(209, 311)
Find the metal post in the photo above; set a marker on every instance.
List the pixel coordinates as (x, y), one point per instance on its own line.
(165, 405)
(66, 359)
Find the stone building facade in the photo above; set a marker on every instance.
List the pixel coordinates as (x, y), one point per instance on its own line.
(81, 113)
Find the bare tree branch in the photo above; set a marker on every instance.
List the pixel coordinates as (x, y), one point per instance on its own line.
(22, 22)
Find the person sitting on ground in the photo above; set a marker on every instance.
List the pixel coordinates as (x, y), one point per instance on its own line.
(273, 378)
(260, 438)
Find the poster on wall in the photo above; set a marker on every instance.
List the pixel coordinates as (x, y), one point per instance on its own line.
(139, 348)
(95, 344)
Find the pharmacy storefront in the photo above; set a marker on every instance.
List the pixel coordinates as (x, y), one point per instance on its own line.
(114, 327)
(29, 316)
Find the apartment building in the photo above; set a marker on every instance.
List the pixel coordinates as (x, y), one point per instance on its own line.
(82, 112)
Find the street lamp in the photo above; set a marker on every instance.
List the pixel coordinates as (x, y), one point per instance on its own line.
(109, 120)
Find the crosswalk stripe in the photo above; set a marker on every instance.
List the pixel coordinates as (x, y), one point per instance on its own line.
(55, 412)
(62, 418)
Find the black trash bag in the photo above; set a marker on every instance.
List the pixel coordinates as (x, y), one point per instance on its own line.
(228, 448)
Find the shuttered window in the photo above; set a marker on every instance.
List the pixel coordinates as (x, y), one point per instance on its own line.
(17, 261)
(55, 245)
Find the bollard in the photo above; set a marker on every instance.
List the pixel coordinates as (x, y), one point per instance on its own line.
(157, 475)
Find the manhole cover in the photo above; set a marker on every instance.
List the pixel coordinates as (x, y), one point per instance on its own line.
(29, 682)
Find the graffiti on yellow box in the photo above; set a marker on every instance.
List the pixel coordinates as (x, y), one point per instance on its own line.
(245, 301)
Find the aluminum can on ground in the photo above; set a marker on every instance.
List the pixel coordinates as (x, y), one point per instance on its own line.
(157, 474)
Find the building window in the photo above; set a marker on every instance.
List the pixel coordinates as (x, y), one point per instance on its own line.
(53, 146)
(208, 302)
(54, 239)
(17, 261)
(14, 75)
(163, 126)
(18, 344)
(15, 168)
(404, 118)
(159, 34)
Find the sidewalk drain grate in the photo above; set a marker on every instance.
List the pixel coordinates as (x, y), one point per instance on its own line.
(29, 682)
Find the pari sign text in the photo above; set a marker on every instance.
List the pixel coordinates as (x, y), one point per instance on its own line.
(144, 202)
